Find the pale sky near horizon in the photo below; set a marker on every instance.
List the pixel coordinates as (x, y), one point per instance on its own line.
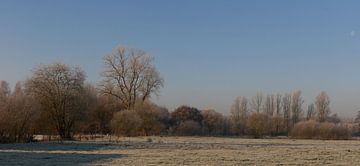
(208, 52)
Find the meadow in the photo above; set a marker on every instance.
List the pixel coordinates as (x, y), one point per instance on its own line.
(183, 151)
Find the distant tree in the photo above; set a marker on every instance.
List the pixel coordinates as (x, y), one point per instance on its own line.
(278, 119)
(213, 122)
(357, 120)
(257, 102)
(59, 89)
(286, 103)
(97, 112)
(17, 116)
(296, 107)
(278, 103)
(238, 117)
(322, 103)
(311, 112)
(269, 106)
(4, 91)
(185, 114)
(130, 76)
(334, 119)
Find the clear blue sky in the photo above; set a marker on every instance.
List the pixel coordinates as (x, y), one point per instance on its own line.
(209, 52)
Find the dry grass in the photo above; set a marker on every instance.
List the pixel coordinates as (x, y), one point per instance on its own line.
(186, 151)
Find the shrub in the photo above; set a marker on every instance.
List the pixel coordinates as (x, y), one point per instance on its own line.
(126, 123)
(155, 119)
(188, 128)
(315, 130)
(258, 125)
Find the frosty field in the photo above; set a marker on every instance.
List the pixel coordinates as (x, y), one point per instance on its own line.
(184, 151)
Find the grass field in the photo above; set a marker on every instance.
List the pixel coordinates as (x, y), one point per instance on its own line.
(184, 151)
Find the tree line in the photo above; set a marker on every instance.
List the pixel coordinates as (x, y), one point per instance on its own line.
(57, 100)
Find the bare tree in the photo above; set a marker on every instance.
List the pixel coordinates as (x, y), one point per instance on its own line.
(269, 106)
(59, 89)
(311, 112)
(296, 107)
(239, 111)
(322, 103)
(130, 75)
(257, 102)
(278, 104)
(278, 119)
(286, 103)
(4, 91)
(16, 116)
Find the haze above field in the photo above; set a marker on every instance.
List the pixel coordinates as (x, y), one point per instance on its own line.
(208, 52)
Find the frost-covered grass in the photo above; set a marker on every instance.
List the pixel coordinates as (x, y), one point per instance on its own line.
(184, 151)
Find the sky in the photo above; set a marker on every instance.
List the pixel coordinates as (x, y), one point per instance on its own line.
(208, 52)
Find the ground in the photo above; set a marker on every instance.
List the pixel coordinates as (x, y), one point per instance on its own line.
(184, 151)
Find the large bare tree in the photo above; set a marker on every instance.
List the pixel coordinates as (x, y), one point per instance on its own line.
(130, 76)
(322, 103)
(59, 89)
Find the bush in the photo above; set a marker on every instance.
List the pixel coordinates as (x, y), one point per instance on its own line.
(185, 113)
(155, 119)
(213, 123)
(188, 128)
(126, 123)
(258, 125)
(315, 130)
